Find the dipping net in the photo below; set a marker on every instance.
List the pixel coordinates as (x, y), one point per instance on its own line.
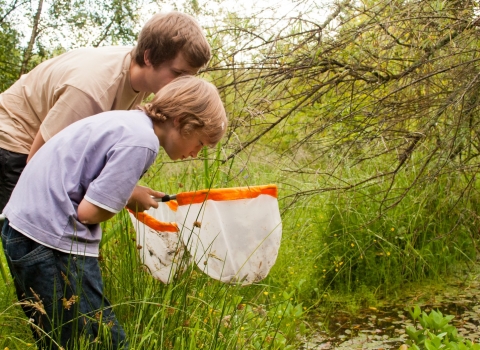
(232, 234)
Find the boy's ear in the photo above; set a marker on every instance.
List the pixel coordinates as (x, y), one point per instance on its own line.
(146, 57)
(176, 123)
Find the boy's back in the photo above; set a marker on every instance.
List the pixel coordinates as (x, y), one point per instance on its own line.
(54, 94)
(100, 158)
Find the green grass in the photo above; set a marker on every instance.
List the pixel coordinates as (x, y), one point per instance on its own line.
(336, 252)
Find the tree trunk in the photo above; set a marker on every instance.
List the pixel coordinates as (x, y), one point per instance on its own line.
(28, 51)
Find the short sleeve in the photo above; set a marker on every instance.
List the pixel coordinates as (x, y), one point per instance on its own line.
(71, 106)
(115, 183)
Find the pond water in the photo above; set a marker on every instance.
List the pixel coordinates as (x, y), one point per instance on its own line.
(384, 327)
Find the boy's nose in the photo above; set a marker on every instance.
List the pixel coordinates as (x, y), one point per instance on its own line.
(194, 154)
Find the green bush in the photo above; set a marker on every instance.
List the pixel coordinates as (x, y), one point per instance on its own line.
(434, 332)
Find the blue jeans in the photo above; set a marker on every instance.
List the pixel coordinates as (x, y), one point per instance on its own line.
(61, 294)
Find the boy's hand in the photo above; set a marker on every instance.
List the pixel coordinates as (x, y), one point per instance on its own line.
(141, 199)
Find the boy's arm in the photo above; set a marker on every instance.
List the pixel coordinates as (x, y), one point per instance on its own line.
(37, 143)
(89, 213)
(141, 199)
(72, 105)
(116, 185)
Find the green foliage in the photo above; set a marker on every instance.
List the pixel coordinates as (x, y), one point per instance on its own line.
(193, 311)
(91, 23)
(367, 120)
(10, 56)
(435, 332)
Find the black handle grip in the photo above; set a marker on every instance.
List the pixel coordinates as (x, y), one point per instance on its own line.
(166, 198)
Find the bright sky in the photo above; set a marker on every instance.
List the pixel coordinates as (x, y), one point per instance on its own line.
(315, 10)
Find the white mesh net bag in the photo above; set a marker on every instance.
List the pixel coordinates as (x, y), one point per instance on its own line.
(158, 240)
(232, 234)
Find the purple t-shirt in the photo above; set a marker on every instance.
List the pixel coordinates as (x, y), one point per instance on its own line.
(100, 158)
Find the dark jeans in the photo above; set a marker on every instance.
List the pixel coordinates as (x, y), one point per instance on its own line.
(11, 166)
(61, 294)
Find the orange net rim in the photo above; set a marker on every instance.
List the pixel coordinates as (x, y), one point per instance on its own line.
(226, 194)
(172, 205)
(154, 224)
(197, 197)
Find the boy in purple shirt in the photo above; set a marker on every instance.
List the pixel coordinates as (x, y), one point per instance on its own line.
(85, 175)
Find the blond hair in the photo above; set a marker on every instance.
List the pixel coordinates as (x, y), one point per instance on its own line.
(166, 34)
(196, 105)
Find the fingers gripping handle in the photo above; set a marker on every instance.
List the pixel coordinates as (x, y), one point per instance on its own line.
(166, 198)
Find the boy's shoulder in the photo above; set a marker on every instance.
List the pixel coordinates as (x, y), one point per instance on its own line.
(95, 57)
(125, 128)
(84, 68)
(93, 53)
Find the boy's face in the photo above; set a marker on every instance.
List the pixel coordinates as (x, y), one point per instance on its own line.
(157, 77)
(178, 146)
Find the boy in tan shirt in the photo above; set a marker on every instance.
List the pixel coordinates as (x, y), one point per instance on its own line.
(87, 81)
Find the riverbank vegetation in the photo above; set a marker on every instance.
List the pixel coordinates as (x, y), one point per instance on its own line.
(364, 113)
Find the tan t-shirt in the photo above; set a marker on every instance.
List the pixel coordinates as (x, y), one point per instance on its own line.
(62, 90)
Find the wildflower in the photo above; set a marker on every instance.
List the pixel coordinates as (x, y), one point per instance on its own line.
(265, 293)
(392, 229)
(226, 321)
(388, 253)
(65, 278)
(67, 304)
(353, 245)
